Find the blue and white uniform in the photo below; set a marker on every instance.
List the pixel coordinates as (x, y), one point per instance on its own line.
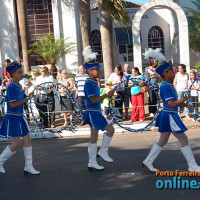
(14, 124)
(93, 115)
(168, 120)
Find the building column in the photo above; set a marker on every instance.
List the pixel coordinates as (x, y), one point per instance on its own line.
(56, 25)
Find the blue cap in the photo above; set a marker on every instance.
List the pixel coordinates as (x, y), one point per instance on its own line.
(13, 66)
(91, 64)
(163, 67)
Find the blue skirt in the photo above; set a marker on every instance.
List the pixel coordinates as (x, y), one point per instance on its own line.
(95, 119)
(14, 126)
(170, 122)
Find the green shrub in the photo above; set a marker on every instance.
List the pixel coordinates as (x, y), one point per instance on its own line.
(70, 75)
(197, 66)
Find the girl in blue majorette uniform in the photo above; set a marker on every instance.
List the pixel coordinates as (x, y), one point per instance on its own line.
(168, 120)
(93, 115)
(14, 124)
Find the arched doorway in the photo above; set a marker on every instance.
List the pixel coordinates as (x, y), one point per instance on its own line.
(182, 26)
(156, 38)
(96, 44)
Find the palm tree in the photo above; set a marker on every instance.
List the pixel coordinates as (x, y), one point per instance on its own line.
(194, 26)
(85, 22)
(22, 18)
(52, 50)
(109, 11)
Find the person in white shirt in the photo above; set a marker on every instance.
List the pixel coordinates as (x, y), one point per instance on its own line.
(45, 100)
(181, 85)
(25, 83)
(116, 77)
(80, 80)
(194, 91)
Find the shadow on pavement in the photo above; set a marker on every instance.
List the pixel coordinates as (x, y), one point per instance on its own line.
(64, 174)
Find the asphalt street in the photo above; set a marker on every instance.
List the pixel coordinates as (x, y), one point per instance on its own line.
(64, 174)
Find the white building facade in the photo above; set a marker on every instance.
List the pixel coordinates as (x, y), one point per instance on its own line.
(158, 28)
(57, 17)
(160, 23)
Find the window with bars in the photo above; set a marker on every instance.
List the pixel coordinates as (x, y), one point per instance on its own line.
(126, 53)
(156, 38)
(96, 44)
(40, 22)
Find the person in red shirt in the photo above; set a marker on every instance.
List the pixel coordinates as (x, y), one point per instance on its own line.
(6, 73)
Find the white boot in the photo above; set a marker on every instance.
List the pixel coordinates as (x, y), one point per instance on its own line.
(29, 169)
(103, 152)
(187, 153)
(5, 155)
(155, 150)
(92, 151)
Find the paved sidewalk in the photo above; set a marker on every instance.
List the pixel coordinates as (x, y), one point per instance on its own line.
(85, 130)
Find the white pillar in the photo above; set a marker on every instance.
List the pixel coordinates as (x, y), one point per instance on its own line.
(56, 25)
(137, 43)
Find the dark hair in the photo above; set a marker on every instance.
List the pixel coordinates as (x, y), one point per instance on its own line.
(193, 72)
(152, 61)
(183, 66)
(119, 68)
(162, 76)
(82, 65)
(137, 70)
(8, 61)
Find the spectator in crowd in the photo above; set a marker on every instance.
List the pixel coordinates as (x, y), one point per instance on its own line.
(181, 85)
(80, 80)
(53, 71)
(2, 87)
(6, 73)
(34, 75)
(2, 90)
(66, 103)
(127, 92)
(59, 74)
(174, 68)
(194, 91)
(46, 101)
(154, 79)
(116, 77)
(106, 100)
(25, 83)
(137, 97)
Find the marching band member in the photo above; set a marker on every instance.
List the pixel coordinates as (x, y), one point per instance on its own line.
(168, 120)
(93, 115)
(14, 124)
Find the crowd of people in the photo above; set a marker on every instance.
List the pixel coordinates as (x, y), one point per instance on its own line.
(128, 93)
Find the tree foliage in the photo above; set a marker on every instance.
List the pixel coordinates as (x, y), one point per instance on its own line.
(51, 49)
(116, 10)
(194, 26)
